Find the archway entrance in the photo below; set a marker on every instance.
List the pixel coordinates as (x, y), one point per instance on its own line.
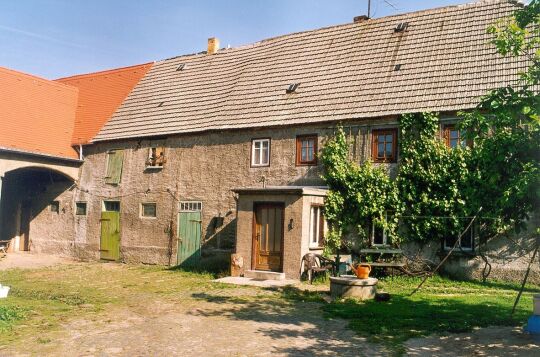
(27, 193)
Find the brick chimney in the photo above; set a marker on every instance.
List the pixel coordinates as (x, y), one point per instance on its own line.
(360, 18)
(213, 45)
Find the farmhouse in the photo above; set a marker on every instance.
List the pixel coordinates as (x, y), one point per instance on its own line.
(216, 152)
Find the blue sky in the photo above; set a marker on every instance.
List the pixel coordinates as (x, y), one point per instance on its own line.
(58, 38)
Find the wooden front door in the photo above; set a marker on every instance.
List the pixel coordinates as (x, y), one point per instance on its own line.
(24, 231)
(268, 236)
(189, 238)
(110, 231)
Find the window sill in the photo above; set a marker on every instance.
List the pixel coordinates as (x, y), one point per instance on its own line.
(153, 168)
(315, 247)
(306, 164)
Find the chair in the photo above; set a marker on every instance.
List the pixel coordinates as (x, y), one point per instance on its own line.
(4, 245)
(315, 263)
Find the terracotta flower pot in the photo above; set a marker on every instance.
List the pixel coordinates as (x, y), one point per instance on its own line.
(362, 271)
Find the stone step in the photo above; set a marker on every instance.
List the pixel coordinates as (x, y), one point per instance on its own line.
(264, 275)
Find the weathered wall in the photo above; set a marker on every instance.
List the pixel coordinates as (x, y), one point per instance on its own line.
(200, 167)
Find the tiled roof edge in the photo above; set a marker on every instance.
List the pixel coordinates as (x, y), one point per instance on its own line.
(106, 71)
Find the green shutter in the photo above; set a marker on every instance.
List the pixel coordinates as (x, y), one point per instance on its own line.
(114, 167)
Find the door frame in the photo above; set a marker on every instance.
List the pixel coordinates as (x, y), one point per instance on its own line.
(254, 252)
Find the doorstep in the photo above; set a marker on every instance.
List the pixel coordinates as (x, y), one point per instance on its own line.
(264, 275)
(263, 283)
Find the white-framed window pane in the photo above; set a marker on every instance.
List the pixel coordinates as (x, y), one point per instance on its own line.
(260, 154)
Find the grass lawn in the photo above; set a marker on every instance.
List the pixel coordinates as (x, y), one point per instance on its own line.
(441, 306)
(44, 300)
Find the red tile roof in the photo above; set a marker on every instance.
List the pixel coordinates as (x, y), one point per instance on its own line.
(100, 94)
(36, 115)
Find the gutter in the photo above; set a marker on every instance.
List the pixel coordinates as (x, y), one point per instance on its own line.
(38, 154)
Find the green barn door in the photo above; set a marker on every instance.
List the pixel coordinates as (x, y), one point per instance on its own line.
(110, 231)
(189, 238)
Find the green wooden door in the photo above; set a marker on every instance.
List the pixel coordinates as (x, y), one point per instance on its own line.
(110, 236)
(189, 238)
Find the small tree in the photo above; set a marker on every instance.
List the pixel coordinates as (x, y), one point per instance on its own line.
(505, 159)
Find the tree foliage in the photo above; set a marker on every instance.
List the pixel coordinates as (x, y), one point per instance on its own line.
(505, 160)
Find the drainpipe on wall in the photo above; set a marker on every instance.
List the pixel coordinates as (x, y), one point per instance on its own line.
(81, 157)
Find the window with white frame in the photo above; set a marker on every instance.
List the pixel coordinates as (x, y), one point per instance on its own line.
(317, 227)
(260, 152)
(148, 210)
(466, 243)
(190, 206)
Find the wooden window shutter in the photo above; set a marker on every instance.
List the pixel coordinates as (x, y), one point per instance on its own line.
(114, 167)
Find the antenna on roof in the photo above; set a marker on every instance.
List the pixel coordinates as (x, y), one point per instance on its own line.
(369, 9)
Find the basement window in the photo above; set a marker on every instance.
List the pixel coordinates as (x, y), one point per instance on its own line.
(156, 158)
(466, 242)
(54, 206)
(148, 210)
(379, 238)
(80, 208)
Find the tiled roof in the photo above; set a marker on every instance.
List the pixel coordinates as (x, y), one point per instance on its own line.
(347, 71)
(100, 94)
(36, 115)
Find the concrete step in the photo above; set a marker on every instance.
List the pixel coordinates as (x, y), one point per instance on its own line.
(264, 275)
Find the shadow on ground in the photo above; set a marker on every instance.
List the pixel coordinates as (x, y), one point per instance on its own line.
(298, 317)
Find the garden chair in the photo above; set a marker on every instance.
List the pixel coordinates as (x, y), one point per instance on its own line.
(4, 246)
(315, 263)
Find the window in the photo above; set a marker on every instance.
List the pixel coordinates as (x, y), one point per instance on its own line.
(54, 206)
(384, 145)
(317, 227)
(453, 137)
(156, 157)
(111, 206)
(115, 159)
(148, 210)
(260, 152)
(466, 243)
(378, 235)
(80, 208)
(190, 206)
(306, 150)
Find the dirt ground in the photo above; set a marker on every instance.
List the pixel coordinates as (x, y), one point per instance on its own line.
(156, 313)
(26, 260)
(491, 341)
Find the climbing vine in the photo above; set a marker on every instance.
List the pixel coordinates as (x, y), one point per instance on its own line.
(431, 180)
(359, 195)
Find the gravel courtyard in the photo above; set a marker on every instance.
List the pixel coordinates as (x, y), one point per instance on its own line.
(100, 309)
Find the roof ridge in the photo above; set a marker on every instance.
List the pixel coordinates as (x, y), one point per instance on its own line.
(277, 37)
(105, 71)
(34, 77)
